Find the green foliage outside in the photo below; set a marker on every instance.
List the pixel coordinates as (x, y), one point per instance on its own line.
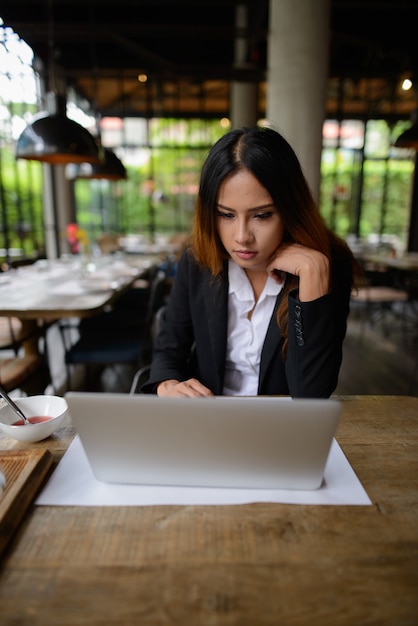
(385, 198)
(21, 217)
(371, 197)
(159, 195)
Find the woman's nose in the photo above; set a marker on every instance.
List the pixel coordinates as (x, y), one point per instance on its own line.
(243, 232)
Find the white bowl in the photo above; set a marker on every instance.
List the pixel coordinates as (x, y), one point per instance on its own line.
(54, 407)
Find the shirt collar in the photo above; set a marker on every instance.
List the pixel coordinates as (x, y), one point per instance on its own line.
(240, 285)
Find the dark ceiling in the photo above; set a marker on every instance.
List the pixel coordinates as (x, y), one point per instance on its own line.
(187, 48)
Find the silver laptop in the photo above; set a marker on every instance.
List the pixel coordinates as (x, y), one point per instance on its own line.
(244, 442)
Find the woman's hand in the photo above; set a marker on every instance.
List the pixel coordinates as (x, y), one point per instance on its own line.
(311, 266)
(191, 388)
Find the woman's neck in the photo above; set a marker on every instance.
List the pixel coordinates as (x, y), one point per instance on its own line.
(257, 280)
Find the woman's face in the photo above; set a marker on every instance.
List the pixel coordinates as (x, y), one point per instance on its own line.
(248, 223)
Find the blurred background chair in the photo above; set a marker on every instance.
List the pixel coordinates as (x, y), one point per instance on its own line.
(19, 371)
(10, 331)
(119, 337)
(380, 299)
(140, 377)
(142, 374)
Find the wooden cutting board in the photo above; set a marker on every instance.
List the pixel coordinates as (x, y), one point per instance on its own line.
(25, 470)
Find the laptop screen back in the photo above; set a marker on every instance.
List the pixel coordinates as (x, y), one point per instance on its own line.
(251, 442)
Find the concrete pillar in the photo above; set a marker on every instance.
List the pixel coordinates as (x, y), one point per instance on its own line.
(58, 209)
(58, 200)
(243, 95)
(297, 74)
(243, 104)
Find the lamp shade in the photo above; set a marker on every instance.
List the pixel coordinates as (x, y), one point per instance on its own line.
(408, 139)
(57, 140)
(109, 167)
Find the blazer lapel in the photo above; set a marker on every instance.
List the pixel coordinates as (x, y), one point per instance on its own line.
(271, 342)
(216, 313)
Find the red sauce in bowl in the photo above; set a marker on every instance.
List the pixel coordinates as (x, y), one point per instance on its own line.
(36, 419)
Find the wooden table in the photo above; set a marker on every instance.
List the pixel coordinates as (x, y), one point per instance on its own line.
(69, 288)
(408, 262)
(74, 287)
(248, 565)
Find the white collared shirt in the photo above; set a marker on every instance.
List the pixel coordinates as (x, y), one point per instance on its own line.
(246, 337)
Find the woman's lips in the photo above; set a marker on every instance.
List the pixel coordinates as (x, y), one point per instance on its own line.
(245, 255)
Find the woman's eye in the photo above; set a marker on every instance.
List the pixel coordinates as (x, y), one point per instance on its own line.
(263, 216)
(225, 215)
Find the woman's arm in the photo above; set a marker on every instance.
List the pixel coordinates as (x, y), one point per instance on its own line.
(310, 266)
(316, 333)
(173, 344)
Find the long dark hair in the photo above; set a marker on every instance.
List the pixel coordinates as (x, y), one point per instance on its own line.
(270, 158)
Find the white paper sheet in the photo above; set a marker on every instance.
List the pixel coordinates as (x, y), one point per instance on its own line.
(73, 484)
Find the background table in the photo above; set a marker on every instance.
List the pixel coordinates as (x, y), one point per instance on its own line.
(255, 565)
(73, 287)
(68, 288)
(407, 262)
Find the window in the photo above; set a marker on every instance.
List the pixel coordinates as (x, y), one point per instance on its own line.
(365, 184)
(21, 217)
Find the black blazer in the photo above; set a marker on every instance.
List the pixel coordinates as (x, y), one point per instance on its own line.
(193, 337)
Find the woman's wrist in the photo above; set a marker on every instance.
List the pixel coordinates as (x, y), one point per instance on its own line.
(165, 386)
(314, 280)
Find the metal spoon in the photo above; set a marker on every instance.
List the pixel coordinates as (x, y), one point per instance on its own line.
(14, 406)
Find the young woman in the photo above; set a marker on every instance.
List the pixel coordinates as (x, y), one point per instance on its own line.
(261, 296)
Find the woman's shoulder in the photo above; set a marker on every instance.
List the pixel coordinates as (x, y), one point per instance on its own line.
(193, 273)
(189, 269)
(189, 261)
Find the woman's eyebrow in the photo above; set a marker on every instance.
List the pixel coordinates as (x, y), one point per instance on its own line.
(257, 208)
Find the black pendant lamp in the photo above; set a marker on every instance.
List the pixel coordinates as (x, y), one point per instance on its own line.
(53, 138)
(409, 138)
(109, 167)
